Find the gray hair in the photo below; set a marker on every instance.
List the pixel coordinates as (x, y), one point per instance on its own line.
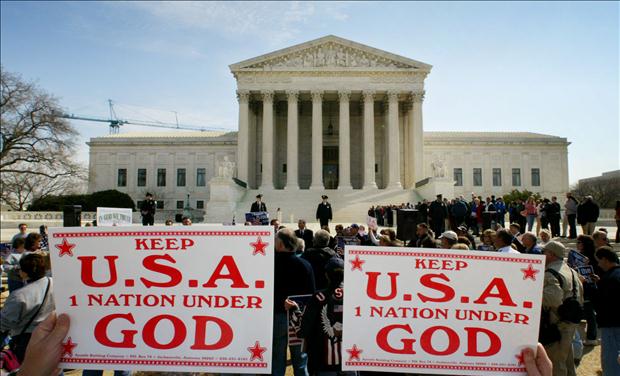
(321, 239)
(288, 239)
(301, 245)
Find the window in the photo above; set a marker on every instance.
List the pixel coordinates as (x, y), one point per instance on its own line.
(180, 204)
(497, 177)
(121, 181)
(458, 177)
(139, 204)
(284, 168)
(516, 177)
(161, 177)
(200, 204)
(536, 177)
(180, 177)
(200, 177)
(477, 177)
(142, 177)
(160, 204)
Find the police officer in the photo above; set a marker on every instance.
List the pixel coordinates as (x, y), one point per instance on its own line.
(258, 205)
(324, 212)
(147, 209)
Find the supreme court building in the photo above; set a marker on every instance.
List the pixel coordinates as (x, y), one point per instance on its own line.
(329, 116)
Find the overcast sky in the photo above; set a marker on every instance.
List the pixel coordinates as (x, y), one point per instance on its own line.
(549, 68)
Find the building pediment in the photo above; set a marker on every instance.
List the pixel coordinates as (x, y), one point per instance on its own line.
(330, 53)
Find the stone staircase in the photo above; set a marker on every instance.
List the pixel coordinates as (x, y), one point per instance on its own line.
(348, 206)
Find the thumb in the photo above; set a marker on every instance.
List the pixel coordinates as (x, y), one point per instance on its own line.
(530, 362)
(45, 327)
(61, 329)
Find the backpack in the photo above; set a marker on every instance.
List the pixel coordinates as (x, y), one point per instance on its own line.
(570, 310)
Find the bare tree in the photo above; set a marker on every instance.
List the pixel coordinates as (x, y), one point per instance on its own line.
(35, 140)
(605, 192)
(37, 145)
(18, 190)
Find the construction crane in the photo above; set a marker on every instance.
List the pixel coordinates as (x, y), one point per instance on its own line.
(115, 123)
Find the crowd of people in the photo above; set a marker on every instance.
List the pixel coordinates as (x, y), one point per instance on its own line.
(311, 262)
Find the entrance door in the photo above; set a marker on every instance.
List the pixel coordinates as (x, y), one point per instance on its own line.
(330, 167)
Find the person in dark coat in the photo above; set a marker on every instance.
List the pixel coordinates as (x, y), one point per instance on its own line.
(304, 233)
(608, 309)
(587, 215)
(423, 208)
(424, 238)
(324, 212)
(554, 215)
(438, 212)
(258, 205)
(459, 211)
(292, 276)
(318, 256)
(147, 210)
(321, 325)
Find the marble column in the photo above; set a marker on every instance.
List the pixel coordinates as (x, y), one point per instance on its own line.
(418, 137)
(393, 142)
(409, 145)
(317, 140)
(344, 154)
(243, 145)
(369, 140)
(267, 181)
(292, 141)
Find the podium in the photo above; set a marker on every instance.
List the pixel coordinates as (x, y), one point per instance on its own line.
(487, 219)
(406, 222)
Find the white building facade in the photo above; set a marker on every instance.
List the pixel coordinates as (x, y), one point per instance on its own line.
(329, 116)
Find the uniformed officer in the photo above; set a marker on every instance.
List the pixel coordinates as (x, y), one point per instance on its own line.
(324, 212)
(147, 209)
(258, 205)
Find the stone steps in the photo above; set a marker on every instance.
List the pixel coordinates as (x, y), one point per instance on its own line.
(348, 206)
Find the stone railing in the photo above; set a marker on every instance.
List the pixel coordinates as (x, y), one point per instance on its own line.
(40, 216)
(57, 216)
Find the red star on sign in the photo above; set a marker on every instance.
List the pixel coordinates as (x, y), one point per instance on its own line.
(259, 247)
(354, 353)
(519, 358)
(67, 347)
(65, 248)
(257, 351)
(530, 272)
(356, 263)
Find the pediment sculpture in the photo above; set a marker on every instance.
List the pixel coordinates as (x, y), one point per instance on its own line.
(330, 54)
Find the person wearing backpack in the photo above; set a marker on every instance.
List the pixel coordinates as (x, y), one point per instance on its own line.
(562, 305)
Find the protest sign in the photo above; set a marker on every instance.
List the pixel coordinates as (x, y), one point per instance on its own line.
(343, 241)
(114, 217)
(576, 259)
(157, 299)
(295, 317)
(439, 311)
(372, 223)
(257, 218)
(587, 272)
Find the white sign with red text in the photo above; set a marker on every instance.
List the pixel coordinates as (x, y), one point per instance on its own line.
(165, 299)
(437, 311)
